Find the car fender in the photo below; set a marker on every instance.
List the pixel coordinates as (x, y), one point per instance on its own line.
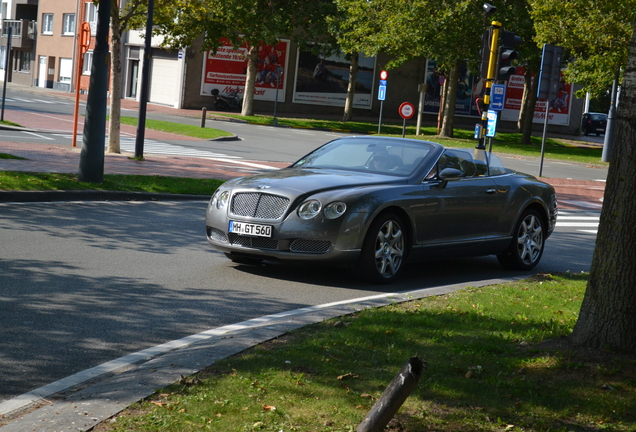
(535, 194)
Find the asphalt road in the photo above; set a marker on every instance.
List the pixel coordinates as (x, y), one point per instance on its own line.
(85, 283)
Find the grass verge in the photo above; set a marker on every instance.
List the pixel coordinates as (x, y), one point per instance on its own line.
(178, 128)
(29, 181)
(497, 360)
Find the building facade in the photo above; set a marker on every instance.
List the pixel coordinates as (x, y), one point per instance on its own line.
(19, 18)
(45, 52)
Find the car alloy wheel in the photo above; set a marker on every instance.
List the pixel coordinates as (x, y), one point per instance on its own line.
(526, 248)
(384, 250)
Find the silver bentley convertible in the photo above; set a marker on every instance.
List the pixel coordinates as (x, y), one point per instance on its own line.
(375, 203)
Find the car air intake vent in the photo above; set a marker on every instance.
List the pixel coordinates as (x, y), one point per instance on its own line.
(310, 246)
(217, 235)
(253, 242)
(259, 205)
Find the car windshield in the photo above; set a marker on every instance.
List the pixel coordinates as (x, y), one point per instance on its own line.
(384, 156)
(598, 117)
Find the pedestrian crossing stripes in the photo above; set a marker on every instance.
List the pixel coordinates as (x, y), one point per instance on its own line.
(39, 101)
(156, 147)
(586, 222)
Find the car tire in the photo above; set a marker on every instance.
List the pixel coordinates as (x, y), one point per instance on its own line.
(243, 259)
(526, 247)
(384, 250)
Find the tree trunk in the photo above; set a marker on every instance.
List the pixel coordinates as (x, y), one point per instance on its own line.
(116, 81)
(250, 81)
(608, 314)
(450, 98)
(527, 107)
(351, 89)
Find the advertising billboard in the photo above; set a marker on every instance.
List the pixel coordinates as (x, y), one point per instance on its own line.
(226, 70)
(323, 80)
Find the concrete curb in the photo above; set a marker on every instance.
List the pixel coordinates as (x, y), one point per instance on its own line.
(91, 195)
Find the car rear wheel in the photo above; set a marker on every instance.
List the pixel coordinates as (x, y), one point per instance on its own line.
(526, 248)
(384, 250)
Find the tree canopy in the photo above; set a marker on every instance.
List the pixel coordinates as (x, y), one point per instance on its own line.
(595, 34)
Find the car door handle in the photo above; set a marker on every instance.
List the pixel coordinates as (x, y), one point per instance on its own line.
(491, 191)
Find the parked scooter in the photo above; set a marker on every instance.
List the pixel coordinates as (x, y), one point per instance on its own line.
(230, 102)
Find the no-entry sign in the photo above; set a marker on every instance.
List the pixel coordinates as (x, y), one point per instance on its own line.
(407, 110)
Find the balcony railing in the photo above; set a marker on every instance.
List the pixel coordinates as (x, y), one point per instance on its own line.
(23, 32)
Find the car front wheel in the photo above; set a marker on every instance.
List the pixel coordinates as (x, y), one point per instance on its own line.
(526, 248)
(383, 251)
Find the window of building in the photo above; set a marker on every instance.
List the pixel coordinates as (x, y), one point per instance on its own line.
(68, 26)
(3, 56)
(91, 16)
(88, 63)
(66, 70)
(24, 61)
(47, 23)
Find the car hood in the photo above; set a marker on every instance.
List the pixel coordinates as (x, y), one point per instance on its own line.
(303, 180)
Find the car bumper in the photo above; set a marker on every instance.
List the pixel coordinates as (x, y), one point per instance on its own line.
(285, 250)
(319, 240)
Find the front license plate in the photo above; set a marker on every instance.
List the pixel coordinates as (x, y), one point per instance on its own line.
(250, 229)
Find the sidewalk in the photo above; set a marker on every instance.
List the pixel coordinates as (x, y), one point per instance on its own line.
(572, 194)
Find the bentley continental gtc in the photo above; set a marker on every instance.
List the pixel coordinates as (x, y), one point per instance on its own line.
(375, 203)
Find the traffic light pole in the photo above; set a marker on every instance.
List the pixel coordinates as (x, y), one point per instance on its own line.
(490, 78)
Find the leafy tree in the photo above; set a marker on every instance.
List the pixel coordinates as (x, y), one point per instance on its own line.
(248, 22)
(448, 32)
(515, 16)
(596, 35)
(608, 313)
(353, 27)
(125, 15)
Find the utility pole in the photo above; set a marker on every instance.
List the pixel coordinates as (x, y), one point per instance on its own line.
(145, 78)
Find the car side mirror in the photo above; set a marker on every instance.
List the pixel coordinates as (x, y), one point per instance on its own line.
(450, 173)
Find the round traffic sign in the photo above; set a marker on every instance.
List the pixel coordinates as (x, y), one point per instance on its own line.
(407, 110)
(384, 75)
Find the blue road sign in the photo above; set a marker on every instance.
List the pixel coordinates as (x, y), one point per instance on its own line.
(497, 97)
(491, 128)
(382, 92)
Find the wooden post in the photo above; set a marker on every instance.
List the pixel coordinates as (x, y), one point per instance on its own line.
(393, 397)
(203, 115)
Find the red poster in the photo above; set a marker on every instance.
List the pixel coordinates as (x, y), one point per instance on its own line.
(226, 70)
(559, 109)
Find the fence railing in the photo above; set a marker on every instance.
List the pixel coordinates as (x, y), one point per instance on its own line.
(20, 29)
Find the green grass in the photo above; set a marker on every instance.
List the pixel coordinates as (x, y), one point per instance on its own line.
(497, 361)
(28, 181)
(8, 123)
(508, 143)
(178, 128)
(9, 156)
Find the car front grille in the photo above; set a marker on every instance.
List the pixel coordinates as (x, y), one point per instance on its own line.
(253, 242)
(310, 246)
(259, 205)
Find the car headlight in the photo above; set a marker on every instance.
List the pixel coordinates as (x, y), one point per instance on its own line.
(309, 209)
(220, 199)
(335, 209)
